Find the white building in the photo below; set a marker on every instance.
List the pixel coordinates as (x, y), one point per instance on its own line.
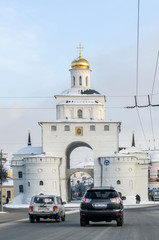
(154, 171)
(80, 121)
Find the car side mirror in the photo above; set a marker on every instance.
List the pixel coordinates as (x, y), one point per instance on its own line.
(63, 203)
(123, 198)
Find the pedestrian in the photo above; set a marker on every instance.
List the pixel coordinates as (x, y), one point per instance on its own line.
(7, 200)
(138, 198)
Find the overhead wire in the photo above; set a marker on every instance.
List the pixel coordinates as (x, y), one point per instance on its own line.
(142, 127)
(107, 96)
(137, 49)
(137, 69)
(153, 137)
(155, 75)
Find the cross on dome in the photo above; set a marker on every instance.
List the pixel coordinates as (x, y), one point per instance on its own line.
(80, 62)
(80, 48)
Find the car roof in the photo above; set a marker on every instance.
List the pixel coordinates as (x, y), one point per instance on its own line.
(102, 188)
(45, 195)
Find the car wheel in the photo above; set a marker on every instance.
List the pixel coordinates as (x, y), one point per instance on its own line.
(87, 222)
(82, 223)
(120, 221)
(31, 219)
(63, 218)
(59, 218)
(38, 219)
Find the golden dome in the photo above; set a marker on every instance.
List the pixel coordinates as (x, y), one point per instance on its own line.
(80, 62)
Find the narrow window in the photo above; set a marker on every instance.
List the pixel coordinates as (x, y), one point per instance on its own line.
(73, 81)
(149, 173)
(86, 81)
(8, 193)
(53, 128)
(80, 81)
(28, 184)
(79, 113)
(106, 127)
(41, 183)
(67, 128)
(118, 182)
(20, 188)
(20, 174)
(92, 128)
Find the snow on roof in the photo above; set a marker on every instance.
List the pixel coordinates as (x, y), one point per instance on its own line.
(114, 155)
(80, 91)
(81, 121)
(87, 102)
(131, 150)
(8, 183)
(43, 155)
(29, 150)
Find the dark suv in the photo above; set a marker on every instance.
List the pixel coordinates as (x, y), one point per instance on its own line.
(101, 204)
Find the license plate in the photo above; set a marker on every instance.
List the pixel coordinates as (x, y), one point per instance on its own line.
(100, 205)
(43, 208)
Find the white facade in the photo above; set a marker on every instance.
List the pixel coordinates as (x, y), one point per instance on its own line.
(80, 121)
(35, 174)
(154, 171)
(80, 78)
(127, 172)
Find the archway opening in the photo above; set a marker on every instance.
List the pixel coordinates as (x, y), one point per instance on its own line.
(80, 169)
(77, 152)
(81, 157)
(79, 183)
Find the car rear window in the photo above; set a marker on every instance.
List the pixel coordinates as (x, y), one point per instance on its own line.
(101, 194)
(44, 200)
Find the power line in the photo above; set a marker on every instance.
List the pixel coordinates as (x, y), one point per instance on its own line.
(155, 75)
(153, 137)
(50, 97)
(26, 97)
(137, 71)
(143, 106)
(137, 53)
(142, 127)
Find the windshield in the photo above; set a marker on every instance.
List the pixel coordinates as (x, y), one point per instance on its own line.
(101, 194)
(44, 200)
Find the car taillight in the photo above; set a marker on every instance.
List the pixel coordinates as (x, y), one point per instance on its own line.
(86, 200)
(31, 208)
(55, 208)
(118, 214)
(115, 200)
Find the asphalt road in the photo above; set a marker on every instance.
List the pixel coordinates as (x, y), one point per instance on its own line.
(140, 224)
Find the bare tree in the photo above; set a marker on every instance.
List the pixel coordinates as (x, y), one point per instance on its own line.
(3, 176)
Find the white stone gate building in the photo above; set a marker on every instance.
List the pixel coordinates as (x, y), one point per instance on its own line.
(80, 121)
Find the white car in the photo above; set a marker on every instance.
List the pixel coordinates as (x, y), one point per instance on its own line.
(46, 206)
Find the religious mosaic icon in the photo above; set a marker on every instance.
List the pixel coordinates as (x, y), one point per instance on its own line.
(79, 131)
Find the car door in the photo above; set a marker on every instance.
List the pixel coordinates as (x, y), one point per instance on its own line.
(60, 205)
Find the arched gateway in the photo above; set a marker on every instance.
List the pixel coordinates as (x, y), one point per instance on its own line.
(70, 171)
(80, 121)
(80, 113)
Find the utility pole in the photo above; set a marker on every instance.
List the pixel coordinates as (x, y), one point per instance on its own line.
(2, 159)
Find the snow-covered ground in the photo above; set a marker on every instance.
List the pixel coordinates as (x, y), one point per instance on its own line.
(77, 204)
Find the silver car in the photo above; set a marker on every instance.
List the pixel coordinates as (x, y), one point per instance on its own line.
(46, 206)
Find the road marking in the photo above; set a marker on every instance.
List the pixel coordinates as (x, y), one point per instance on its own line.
(25, 219)
(71, 212)
(12, 223)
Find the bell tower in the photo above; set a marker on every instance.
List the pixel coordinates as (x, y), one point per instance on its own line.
(80, 72)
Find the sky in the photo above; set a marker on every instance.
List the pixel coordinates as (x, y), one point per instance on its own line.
(38, 42)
